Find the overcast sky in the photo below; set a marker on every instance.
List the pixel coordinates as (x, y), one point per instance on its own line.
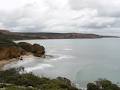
(97, 16)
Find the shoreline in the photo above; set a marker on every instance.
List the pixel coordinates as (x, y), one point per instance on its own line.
(4, 62)
(7, 61)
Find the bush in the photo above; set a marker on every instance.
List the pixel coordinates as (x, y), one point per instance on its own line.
(102, 84)
(6, 42)
(12, 76)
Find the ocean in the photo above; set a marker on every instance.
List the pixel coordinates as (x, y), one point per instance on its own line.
(80, 60)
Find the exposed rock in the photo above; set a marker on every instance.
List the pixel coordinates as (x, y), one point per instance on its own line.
(9, 49)
(36, 49)
(25, 46)
(10, 52)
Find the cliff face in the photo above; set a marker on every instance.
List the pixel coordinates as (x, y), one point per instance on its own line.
(10, 52)
(9, 49)
(36, 49)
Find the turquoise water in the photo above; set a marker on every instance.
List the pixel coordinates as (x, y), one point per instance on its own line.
(80, 60)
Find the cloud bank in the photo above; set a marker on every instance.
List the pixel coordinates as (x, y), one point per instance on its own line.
(60, 15)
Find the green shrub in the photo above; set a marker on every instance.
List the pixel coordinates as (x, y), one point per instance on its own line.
(102, 84)
(12, 76)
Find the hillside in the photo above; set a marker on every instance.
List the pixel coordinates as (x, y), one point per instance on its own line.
(35, 35)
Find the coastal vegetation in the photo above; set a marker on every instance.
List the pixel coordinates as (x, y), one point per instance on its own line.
(17, 79)
(102, 84)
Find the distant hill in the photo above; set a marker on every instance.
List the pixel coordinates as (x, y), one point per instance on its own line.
(37, 35)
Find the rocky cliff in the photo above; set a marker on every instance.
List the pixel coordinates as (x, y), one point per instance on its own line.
(10, 52)
(9, 49)
(36, 49)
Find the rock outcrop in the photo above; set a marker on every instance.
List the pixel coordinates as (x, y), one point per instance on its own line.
(26, 46)
(36, 49)
(11, 52)
(9, 49)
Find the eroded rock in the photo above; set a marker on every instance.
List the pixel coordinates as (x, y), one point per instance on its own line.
(35, 49)
(11, 52)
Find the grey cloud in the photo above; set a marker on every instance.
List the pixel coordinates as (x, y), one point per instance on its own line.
(83, 15)
(104, 7)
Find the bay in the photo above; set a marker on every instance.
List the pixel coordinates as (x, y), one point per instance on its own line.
(80, 60)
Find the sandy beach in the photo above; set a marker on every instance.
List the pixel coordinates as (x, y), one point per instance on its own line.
(4, 62)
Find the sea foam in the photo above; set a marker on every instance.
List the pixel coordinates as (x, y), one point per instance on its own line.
(40, 66)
